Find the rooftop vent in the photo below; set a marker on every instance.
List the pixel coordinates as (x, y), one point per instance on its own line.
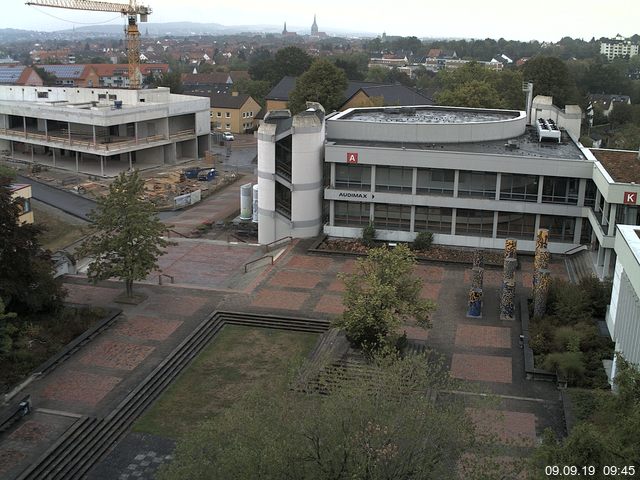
(547, 130)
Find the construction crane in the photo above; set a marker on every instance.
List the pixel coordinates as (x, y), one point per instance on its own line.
(131, 10)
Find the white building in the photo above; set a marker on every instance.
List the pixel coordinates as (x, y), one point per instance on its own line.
(623, 315)
(102, 131)
(473, 177)
(618, 47)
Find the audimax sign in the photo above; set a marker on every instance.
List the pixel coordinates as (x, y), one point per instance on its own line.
(361, 195)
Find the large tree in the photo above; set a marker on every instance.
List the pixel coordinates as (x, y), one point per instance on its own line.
(127, 236)
(26, 270)
(324, 83)
(382, 294)
(379, 426)
(550, 76)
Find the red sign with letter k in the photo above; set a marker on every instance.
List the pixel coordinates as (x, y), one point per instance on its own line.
(630, 198)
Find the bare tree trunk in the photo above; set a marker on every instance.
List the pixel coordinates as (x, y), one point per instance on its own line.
(129, 287)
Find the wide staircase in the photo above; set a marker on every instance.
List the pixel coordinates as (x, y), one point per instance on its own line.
(579, 265)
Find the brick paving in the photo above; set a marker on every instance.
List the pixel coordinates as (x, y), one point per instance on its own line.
(287, 278)
(279, 299)
(320, 264)
(331, 304)
(117, 355)
(80, 387)
(337, 285)
(482, 336)
(486, 368)
(430, 291)
(514, 428)
(429, 273)
(414, 333)
(143, 327)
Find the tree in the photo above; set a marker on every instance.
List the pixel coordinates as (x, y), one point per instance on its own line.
(48, 79)
(620, 114)
(291, 61)
(127, 234)
(476, 94)
(7, 330)
(373, 427)
(258, 89)
(382, 294)
(324, 83)
(26, 270)
(172, 79)
(550, 76)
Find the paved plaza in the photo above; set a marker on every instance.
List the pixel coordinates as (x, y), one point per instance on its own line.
(210, 277)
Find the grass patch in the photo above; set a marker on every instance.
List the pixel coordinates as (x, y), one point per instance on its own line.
(239, 360)
(57, 233)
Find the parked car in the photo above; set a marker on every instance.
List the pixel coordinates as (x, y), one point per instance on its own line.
(228, 136)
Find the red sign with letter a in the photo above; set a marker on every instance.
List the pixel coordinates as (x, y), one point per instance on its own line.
(352, 157)
(630, 198)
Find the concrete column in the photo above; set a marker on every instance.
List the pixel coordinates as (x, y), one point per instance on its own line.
(536, 225)
(77, 161)
(372, 211)
(102, 165)
(494, 232)
(498, 185)
(46, 130)
(130, 162)
(93, 130)
(332, 178)
(596, 207)
(54, 156)
(578, 229)
(11, 146)
(332, 211)
(454, 212)
(24, 126)
(456, 181)
(135, 129)
(373, 178)
(606, 262)
(32, 153)
(69, 131)
(540, 185)
(414, 187)
(605, 213)
(412, 227)
(613, 208)
(582, 189)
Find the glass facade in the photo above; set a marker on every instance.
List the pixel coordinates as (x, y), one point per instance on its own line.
(477, 184)
(590, 194)
(519, 187)
(433, 219)
(283, 200)
(435, 181)
(516, 225)
(354, 177)
(560, 228)
(392, 217)
(477, 223)
(394, 179)
(351, 214)
(560, 190)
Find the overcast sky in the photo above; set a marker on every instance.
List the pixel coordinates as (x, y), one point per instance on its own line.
(511, 19)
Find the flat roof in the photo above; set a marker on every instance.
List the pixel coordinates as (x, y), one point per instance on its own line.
(622, 165)
(526, 145)
(426, 114)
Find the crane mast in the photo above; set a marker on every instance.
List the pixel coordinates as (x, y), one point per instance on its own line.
(131, 10)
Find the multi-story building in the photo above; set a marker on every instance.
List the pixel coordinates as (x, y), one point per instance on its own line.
(623, 314)
(473, 177)
(233, 112)
(618, 47)
(19, 75)
(22, 193)
(102, 131)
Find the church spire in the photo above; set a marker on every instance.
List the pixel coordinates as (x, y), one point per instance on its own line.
(314, 27)
(284, 31)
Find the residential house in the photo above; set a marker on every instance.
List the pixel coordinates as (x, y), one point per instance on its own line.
(235, 112)
(22, 191)
(606, 102)
(618, 47)
(19, 75)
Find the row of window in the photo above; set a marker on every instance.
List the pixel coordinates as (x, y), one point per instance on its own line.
(477, 223)
(473, 184)
(228, 114)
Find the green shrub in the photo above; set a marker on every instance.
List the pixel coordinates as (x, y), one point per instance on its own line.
(422, 241)
(369, 235)
(568, 364)
(569, 303)
(566, 339)
(599, 294)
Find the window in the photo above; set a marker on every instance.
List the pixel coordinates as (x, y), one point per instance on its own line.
(474, 222)
(435, 181)
(102, 96)
(590, 194)
(283, 200)
(218, 114)
(43, 94)
(392, 217)
(113, 97)
(351, 214)
(227, 115)
(516, 225)
(433, 219)
(476, 184)
(228, 126)
(394, 179)
(357, 177)
(560, 190)
(519, 187)
(560, 228)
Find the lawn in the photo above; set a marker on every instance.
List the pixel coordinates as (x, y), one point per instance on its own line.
(58, 232)
(238, 360)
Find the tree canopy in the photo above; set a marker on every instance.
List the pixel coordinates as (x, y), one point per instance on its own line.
(126, 238)
(292, 61)
(381, 294)
(324, 83)
(550, 76)
(377, 426)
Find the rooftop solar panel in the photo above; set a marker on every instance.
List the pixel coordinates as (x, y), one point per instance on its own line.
(10, 74)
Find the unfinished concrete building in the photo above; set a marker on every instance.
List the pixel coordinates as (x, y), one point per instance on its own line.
(102, 131)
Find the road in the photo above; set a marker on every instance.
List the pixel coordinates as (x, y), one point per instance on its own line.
(68, 202)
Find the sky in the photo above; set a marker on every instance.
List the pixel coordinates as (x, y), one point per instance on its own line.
(510, 19)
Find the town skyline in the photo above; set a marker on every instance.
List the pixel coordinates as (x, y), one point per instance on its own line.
(493, 19)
